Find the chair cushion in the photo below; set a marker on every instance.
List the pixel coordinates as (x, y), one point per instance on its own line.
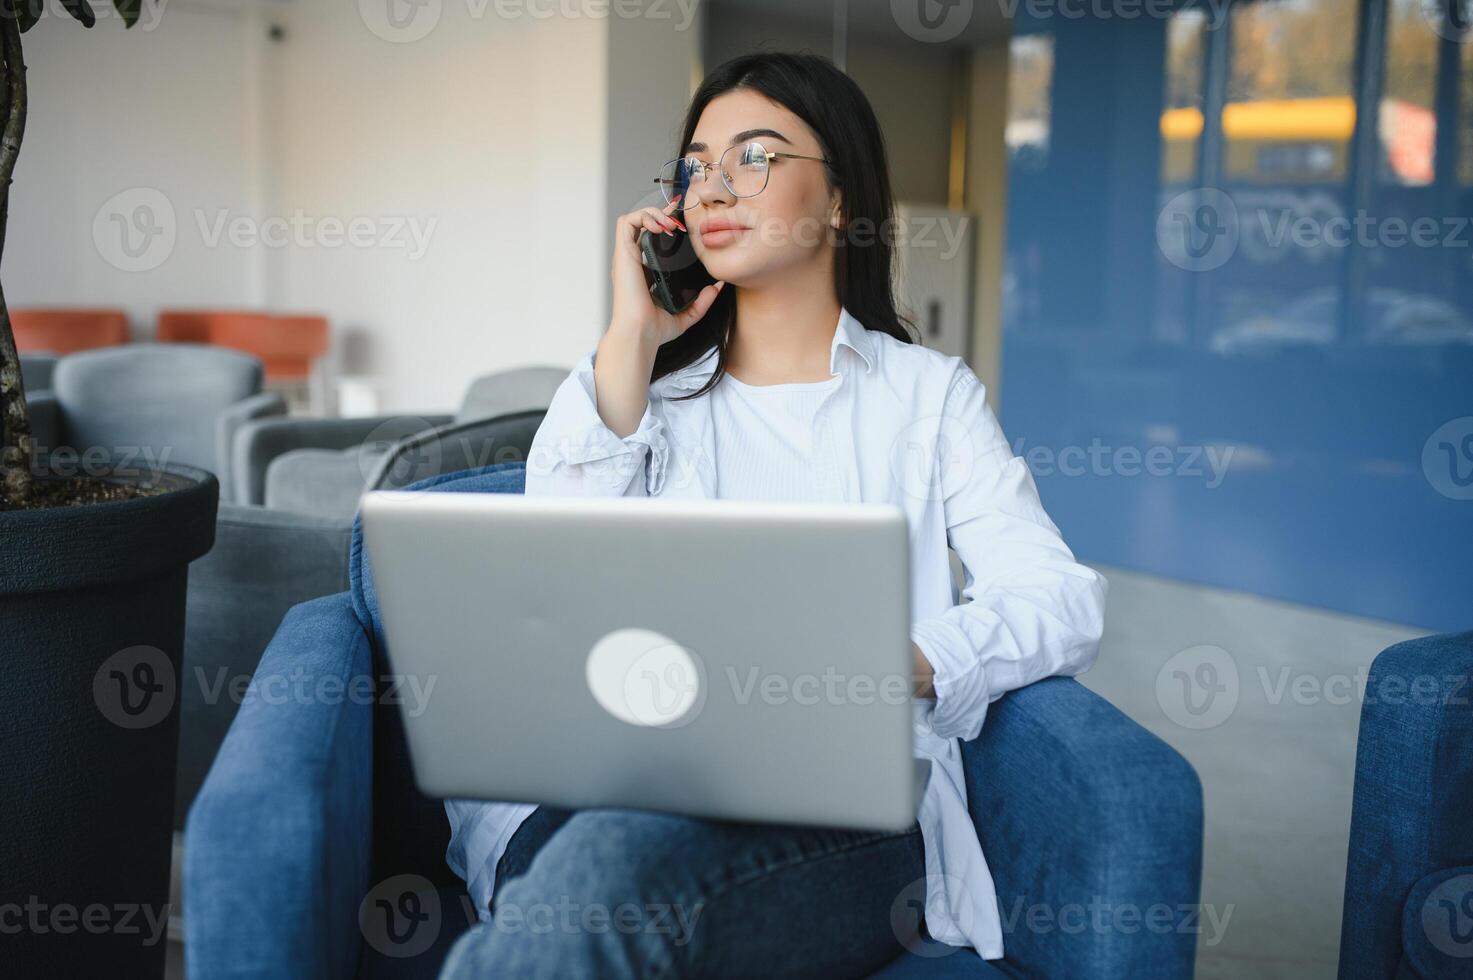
(496, 478)
(321, 482)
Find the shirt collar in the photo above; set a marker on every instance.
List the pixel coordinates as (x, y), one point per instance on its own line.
(854, 335)
(849, 333)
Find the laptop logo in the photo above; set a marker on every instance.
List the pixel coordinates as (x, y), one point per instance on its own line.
(646, 679)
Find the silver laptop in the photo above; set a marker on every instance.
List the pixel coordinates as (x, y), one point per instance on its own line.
(739, 660)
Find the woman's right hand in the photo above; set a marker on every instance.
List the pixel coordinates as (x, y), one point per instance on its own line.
(635, 312)
(626, 354)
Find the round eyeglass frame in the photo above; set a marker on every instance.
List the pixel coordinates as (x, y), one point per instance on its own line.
(667, 185)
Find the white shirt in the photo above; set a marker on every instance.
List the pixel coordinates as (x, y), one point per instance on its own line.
(902, 424)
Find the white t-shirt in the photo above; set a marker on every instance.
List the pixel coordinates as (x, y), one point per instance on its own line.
(764, 439)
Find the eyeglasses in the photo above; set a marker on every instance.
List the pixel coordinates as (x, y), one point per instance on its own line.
(745, 174)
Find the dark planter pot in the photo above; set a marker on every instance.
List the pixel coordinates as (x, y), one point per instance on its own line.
(91, 636)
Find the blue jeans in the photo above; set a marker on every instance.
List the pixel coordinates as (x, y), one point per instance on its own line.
(622, 893)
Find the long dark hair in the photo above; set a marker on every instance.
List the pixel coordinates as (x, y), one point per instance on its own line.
(814, 89)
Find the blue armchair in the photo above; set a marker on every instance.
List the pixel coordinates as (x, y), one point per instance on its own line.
(309, 828)
(1409, 876)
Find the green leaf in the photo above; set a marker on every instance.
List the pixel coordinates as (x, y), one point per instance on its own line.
(81, 10)
(129, 10)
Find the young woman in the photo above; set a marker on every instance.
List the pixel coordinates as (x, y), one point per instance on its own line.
(790, 378)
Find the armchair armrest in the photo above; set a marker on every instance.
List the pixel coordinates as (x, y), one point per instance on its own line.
(467, 445)
(45, 419)
(257, 443)
(1092, 828)
(1434, 933)
(229, 421)
(1413, 794)
(278, 841)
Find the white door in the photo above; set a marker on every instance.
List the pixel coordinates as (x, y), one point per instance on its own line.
(934, 253)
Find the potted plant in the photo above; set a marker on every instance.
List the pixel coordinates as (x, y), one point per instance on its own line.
(93, 564)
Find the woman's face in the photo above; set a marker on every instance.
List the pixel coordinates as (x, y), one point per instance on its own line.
(789, 223)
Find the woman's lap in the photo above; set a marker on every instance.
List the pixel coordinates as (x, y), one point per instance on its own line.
(615, 892)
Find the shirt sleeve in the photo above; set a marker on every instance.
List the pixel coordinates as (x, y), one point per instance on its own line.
(1031, 610)
(574, 453)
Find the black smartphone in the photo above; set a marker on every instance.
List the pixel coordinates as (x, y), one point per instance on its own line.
(674, 273)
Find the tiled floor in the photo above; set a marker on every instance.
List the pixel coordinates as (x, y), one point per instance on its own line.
(1277, 770)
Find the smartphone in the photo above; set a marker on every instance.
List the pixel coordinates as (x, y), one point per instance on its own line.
(674, 273)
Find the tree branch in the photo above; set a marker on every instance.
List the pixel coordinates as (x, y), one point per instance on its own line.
(15, 420)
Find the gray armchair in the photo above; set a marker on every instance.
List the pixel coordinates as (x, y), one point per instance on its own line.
(36, 370)
(322, 466)
(266, 560)
(153, 404)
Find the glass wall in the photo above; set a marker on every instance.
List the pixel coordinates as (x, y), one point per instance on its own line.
(1238, 312)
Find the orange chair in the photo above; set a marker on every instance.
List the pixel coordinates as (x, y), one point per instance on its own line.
(185, 326)
(287, 345)
(66, 331)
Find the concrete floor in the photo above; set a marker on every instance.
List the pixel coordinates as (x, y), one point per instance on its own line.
(1277, 767)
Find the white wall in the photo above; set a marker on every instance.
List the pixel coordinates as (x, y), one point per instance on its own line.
(653, 64)
(491, 134)
(907, 82)
(165, 117)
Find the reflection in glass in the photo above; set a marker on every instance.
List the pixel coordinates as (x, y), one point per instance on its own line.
(1181, 122)
(1407, 126)
(1302, 49)
(1030, 100)
(1307, 340)
(1465, 131)
(1030, 73)
(1290, 111)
